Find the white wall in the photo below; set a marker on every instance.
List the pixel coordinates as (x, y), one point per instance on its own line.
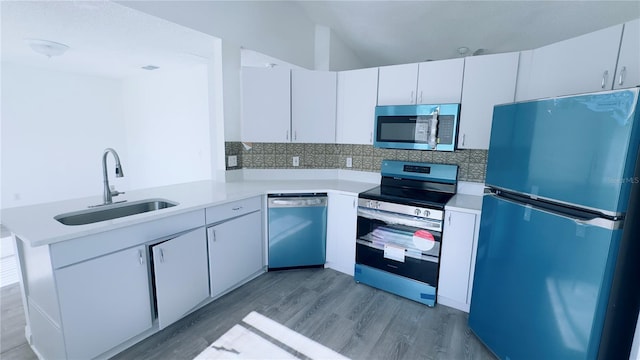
(55, 127)
(341, 57)
(167, 127)
(231, 61)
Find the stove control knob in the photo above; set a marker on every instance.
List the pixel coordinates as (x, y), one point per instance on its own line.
(426, 213)
(417, 211)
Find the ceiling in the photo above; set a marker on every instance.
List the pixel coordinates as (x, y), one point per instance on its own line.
(397, 32)
(108, 39)
(104, 38)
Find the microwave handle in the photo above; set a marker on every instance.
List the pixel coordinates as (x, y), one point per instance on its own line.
(433, 128)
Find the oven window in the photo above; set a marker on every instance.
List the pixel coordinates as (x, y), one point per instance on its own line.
(406, 250)
(417, 242)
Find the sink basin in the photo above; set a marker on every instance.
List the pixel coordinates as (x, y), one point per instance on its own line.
(113, 211)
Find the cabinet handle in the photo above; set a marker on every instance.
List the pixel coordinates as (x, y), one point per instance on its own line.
(449, 219)
(371, 137)
(161, 255)
(464, 137)
(287, 135)
(420, 97)
(354, 203)
(295, 135)
(605, 75)
(237, 208)
(213, 234)
(622, 74)
(411, 101)
(140, 257)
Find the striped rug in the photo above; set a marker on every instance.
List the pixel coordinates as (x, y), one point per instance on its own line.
(262, 338)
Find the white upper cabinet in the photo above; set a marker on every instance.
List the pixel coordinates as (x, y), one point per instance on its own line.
(582, 64)
(432, 82)
(357, 93)
(397, 84)
(313, 106)
(440, 82)
(628, 70)
(488, 80)
(266, 104)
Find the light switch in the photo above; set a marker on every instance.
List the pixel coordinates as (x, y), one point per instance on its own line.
(349, 162)
(232, 161)
(296, 161)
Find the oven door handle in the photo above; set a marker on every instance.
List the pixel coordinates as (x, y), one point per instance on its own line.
(393, 218)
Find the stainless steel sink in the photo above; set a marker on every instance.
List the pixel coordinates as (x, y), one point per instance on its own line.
(113, 211)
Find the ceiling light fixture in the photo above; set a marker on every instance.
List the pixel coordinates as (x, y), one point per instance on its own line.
(46, 47)
(462, 50)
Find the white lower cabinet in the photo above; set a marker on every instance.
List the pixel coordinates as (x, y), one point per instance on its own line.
(457, 259)
(342, 218)
(235, 251)
(104, 302)
(181, 275)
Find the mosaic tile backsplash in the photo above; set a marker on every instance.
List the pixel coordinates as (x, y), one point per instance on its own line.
(472, 163)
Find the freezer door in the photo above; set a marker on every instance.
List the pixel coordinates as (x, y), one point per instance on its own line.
(579, 150)
(541, 283)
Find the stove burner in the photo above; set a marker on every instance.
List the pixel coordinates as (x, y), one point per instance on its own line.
(412, 197)
(415, 184)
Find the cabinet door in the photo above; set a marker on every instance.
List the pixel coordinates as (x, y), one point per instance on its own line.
(357, 94)
(175, 260)
(235, 251)
(582, 64)
(440, 82)
(397, 84)
(456, 258)
(488, 80)
(104, 302)
(628, 70)
(313, 106)
(266, 104)
(342, 217)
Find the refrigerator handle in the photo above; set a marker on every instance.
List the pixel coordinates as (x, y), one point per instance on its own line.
(594, 221)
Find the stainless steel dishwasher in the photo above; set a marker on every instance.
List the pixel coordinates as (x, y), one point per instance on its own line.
(297, 230)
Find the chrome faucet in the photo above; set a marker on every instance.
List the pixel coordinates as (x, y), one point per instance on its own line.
(108, 193)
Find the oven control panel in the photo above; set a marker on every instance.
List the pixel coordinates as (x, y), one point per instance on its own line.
(426, 213)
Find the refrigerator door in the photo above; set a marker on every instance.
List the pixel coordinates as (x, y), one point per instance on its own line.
(578, 150)
(541, 282)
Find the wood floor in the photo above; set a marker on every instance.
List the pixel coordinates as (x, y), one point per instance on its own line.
(355, 320)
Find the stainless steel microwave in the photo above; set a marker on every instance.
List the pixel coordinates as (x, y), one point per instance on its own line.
(416, 127)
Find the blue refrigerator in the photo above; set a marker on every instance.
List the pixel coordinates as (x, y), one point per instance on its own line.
(557, 272)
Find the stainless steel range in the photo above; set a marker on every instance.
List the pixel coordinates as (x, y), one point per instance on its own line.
(400, 228)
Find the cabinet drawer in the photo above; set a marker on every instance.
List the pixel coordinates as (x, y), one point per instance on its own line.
(230, 210)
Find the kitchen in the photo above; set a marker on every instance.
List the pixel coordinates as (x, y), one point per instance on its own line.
(364, 158)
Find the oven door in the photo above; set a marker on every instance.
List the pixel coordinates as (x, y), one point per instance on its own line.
(400, 244)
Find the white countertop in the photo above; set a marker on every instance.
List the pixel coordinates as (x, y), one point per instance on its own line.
(35, 224)
(465, 203)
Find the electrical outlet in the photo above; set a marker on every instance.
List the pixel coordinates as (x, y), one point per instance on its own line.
(349, 162)
(296, 161)
(232, 161)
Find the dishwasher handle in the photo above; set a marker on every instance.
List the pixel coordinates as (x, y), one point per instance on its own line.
(283, 202)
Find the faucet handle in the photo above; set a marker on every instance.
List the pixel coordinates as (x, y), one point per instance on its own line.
(115, 192)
